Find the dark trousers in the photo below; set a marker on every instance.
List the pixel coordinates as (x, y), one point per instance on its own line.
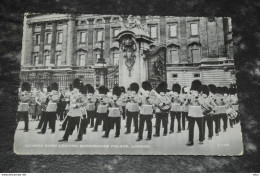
(209, 120)
(184, 116)
(199, 122)
(24, 116)
(64, 123)
(130, 116)
(72, 123)
(83, 123)
(161, 117)
(61, 114)
(178, 117)
(50, 117)
(41, 120)
(91, 117)
(101, 117)
(111, 121)
(148, 120)
(216, 119)
(231, 122)
(225, 120)
(123, 112)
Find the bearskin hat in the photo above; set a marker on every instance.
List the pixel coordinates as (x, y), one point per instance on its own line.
(26, 87)
(225, 90)
(71, 87)
(219, 90)
(117, 91)
(196, 85)
(55, 86)
(49, 89)
(162, 87)
(232, 91)
(122, 89)
(176, 88)
(134, 87)
(90, 88)
(205, 89)
(77, 83)
(103, 90)
(212, 88)
(83, 89)
(147, 86)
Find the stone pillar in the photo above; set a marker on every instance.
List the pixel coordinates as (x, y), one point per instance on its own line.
(53, 43)
(183, 40)
(212, 39)
(42, 36)
(90, 59)
(24, 51)
(64, 44)
(70, 43)
(107, 40)
(162, 29)
(203, 37)
(220, 37)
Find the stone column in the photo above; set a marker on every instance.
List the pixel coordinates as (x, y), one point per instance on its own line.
(183, 40)
(162, 29)
(64, 44)
(53, 43)
(220, 37)
(203, 37)
(70, 44)
(107, 40)
(42, 36)
(90, 59)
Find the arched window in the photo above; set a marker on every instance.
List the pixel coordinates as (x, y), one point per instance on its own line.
(194, 52)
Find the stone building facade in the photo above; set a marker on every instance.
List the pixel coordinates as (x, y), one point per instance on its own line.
(60, 47)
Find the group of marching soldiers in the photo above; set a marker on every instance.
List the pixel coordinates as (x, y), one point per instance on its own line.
(82, 106)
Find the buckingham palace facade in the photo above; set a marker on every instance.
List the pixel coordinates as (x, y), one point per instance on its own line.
(60, 47)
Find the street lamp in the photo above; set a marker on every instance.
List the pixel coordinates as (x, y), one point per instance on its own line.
(101, 68)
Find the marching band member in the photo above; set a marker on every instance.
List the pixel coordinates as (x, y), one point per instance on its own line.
(22, 112)
(233, 104)
(114, 115)
(133, 108)
(162, 104)
(195, 112)
(221, 109)
(43, 102)
(32, 104)
(91, 101)
(207, 108)
(67, 96)
(175, 107)
(77, 101)
(102, 108)
(185, 109)
(50, 114)
(146, 110)
(83, 122)
(212, 95)
(124, 99)
(38, 106)
(62, 105)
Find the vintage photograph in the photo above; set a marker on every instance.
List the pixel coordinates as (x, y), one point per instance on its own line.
(127, 85)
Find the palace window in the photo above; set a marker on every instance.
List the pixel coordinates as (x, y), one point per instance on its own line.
(48, 38)
(116, 59)
(59, 37)
(195, 54)
(97, 56)
(196, 75)
(82, 60)
(194, 29)
(173, 30)
(58, 60)
(99, 21)
(229, 25)
(36, 60)
(48, 24)
(153, 32)
(47, 60)
(82, 36)
(174, 56)
(175, 75)
(115, 32)
(37, 39)
(99, 36)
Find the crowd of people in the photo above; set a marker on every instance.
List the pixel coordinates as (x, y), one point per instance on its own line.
(82, 106)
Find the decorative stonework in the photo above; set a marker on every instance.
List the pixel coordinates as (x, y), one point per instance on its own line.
(128, 47)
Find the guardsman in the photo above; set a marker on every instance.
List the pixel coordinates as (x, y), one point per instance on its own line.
(162, 105)
(114, 115)
(91, 108)
(22, 112)
(175, 111)
(233, 104)
(184, 108)
(212, 95)
(42, 102)
(132, 107)
(32, 104)
(102, 108)
(146, 110)
(77, 101)
(207, 109)
(195, 112)
(66, 98)
(124, 99)
(50, 114)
